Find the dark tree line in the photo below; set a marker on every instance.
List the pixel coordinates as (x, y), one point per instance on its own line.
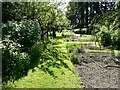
(81, 13)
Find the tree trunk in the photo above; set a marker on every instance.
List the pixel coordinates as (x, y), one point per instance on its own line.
(42, 35)
(105, 7)
(54, 33)
(87, 17)
(47, 33)
(82, 15)
(97, 7)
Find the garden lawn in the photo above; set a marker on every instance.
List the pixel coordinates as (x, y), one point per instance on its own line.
(116, 52)
(63, 78)
(58, 77)
(84, 43)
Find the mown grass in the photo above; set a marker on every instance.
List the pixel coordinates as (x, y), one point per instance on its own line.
(67, 32)
(99, 51)
(86, 37)
(104, 51)
(84, 43)
(63, 78)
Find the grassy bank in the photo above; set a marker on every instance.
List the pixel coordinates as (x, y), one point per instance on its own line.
(57, 71)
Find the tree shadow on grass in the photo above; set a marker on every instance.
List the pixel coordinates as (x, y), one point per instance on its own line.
(52, 58)
(43, 55)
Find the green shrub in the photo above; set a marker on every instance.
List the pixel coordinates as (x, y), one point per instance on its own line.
(106, 39)
(70, 47)
(116, 40)
(104, 36)
(26, 32)
(106, 28)
(63, 35)
(14, 63)
(80, 49)
(110, 37)
(18, 38)
(35, 54)
(74, 59)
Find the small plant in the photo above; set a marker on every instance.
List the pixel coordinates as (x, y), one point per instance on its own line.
(70, 47)
(80, 49)
(70, 50)
(74, 59)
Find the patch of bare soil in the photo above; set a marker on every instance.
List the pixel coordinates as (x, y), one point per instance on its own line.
(98, 70)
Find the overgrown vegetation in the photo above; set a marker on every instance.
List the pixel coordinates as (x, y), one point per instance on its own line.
(74, 58)
(106, 28)
(18, 39)
(71, 47)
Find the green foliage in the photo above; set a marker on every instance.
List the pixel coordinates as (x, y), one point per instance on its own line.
(106, 28)
(40, 79)
(46, 57)
(82, 13)
(56, 41)
(74, 59)
(116, 39)
(51, 71)
(25, 33)
(23, 49)
(71, 47)
(104, 36)
(49, 16)
(106, 39)
(18, 38)
(35, 53)
(80, 49)
(15, 64)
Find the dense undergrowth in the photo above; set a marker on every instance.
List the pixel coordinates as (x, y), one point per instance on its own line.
(106, 28)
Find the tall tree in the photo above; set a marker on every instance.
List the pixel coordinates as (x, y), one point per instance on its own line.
(44, 12)
(87, 17)
(86, 12)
